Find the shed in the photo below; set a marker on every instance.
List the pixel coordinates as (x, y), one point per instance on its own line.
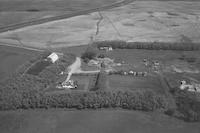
(53, 57)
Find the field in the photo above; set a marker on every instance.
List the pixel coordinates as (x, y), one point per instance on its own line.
(124, 83)
(25, 10)
(143, 21)
(12, 58)
(103, 121)
(38, 67)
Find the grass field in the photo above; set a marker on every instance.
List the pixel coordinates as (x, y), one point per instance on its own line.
(129, 83)
(25, 10)
(143, 21)
(12, 58)
(103, 121)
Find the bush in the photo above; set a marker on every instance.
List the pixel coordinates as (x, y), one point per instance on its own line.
(170, 112)
(88, 55)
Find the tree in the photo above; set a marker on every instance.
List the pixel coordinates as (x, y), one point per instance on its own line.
(89, 54)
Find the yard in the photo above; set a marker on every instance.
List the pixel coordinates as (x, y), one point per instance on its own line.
(129, 83)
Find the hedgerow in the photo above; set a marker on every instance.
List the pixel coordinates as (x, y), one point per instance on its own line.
(14, 98)
(183, 46)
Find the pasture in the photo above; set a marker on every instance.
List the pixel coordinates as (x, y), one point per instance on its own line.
(140, 21)
(17, 11)
(12, 58)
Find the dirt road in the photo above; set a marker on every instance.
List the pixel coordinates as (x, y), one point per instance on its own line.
(76, 68)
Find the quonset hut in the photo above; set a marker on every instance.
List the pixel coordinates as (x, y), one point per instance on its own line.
(53, 57)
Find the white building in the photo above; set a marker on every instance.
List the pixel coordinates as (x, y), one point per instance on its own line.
(107, 48)
(53, 57)
(189, 87)
(67, 85)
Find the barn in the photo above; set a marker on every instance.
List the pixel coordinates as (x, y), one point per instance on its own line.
(53, 57)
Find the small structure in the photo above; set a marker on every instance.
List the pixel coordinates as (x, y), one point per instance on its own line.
(125, 73)
(93, 63)
(156, 63)
(53, 57)
(67, 85)
(131, 72)
(189, 87)
(107, 48)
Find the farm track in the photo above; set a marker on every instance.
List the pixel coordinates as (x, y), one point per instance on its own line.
(19, 46)
(64, 16)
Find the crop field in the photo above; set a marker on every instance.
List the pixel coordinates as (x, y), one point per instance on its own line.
(12, 58)
(25, 10)
(103, 121)
(142, 21)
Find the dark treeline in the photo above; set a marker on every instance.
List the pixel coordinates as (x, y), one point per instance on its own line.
(183, 46)
(13, 98)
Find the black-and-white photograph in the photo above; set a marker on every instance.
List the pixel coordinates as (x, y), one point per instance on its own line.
(99, 66)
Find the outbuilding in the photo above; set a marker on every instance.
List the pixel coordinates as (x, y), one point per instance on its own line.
(53, 57)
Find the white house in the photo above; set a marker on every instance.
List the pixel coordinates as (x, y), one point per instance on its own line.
(53, 57)
(189, 87)
(107, 48)
(70, 84)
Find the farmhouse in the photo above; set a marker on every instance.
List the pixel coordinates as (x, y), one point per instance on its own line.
(189, 87)
(106, 48)
(67, 85)
(53, 57)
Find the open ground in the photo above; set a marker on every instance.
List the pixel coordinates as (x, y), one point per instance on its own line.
(168, 21)
(18, 11)
(12, 58)
(103, 121)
